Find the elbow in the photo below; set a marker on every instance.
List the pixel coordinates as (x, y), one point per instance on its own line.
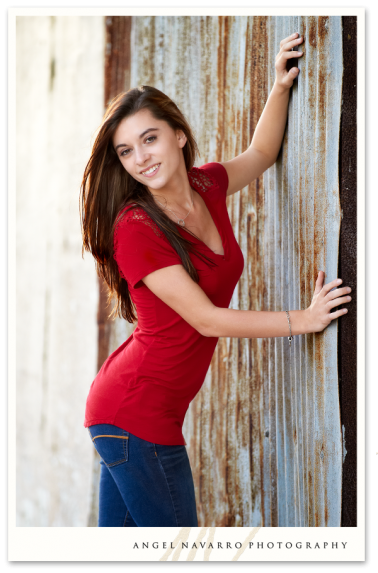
(205, 331)
(271, 158)
(202, 328)
(271, 161)
(267, 158)
(206, 326)
(204, 318)
(268, 166)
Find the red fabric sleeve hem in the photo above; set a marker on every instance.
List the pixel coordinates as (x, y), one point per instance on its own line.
(144, 274)
(140, 248)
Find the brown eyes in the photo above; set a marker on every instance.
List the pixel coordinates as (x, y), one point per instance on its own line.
(149, 139)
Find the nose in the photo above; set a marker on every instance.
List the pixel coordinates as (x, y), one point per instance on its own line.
(141, 157)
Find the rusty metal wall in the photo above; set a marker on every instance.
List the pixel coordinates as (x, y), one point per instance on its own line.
(263, 434)
(302, 439)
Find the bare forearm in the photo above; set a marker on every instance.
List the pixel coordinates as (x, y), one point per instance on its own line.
(228, 322)
(270, 128)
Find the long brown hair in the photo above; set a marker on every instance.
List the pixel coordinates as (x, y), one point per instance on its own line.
(107, 188)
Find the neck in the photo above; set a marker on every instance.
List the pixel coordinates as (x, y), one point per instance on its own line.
(176, 194)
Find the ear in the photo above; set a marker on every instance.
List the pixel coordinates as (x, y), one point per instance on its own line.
(181, 138)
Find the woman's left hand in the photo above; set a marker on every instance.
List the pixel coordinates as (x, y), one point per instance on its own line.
(284, 77)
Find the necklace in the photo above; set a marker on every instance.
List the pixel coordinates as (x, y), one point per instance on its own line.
(179, 221)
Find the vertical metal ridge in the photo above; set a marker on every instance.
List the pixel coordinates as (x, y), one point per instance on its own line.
(332, 429)
(299, 253)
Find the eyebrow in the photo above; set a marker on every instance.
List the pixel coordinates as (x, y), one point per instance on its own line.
(140, 137)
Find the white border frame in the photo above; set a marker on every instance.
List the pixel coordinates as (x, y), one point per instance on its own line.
(92, 544)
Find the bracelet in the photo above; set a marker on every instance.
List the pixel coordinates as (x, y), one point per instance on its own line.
(290, 338)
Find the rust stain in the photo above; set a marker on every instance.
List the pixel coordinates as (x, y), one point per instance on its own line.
(323, 23)
(117, 56)
(312, 32)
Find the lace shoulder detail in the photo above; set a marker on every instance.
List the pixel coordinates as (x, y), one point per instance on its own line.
(201, 180)
(136, 215)
(133, 215)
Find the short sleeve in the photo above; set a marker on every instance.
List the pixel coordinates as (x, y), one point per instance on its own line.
(141, 248)
(218, 174)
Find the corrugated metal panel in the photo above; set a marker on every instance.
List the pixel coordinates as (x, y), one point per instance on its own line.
(302, 451)
(264, 432)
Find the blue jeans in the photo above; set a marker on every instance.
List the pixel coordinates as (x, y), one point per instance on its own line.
(142, 484)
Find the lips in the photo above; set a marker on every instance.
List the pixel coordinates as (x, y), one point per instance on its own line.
(148, 173)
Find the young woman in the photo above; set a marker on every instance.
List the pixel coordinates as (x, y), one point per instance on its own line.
(162, 240)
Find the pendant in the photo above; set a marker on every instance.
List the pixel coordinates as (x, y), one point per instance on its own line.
(181, 222)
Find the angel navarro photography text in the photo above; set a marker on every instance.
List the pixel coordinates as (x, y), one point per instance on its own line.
(239, 545)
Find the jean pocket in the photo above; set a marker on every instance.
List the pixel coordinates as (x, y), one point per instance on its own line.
(111, 443)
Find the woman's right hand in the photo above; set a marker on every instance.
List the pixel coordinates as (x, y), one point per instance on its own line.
(319, 313)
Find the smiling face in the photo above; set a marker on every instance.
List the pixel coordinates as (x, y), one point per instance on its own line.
(149, 149)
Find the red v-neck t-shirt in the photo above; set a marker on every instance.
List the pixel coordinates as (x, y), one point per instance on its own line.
(147, 384)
